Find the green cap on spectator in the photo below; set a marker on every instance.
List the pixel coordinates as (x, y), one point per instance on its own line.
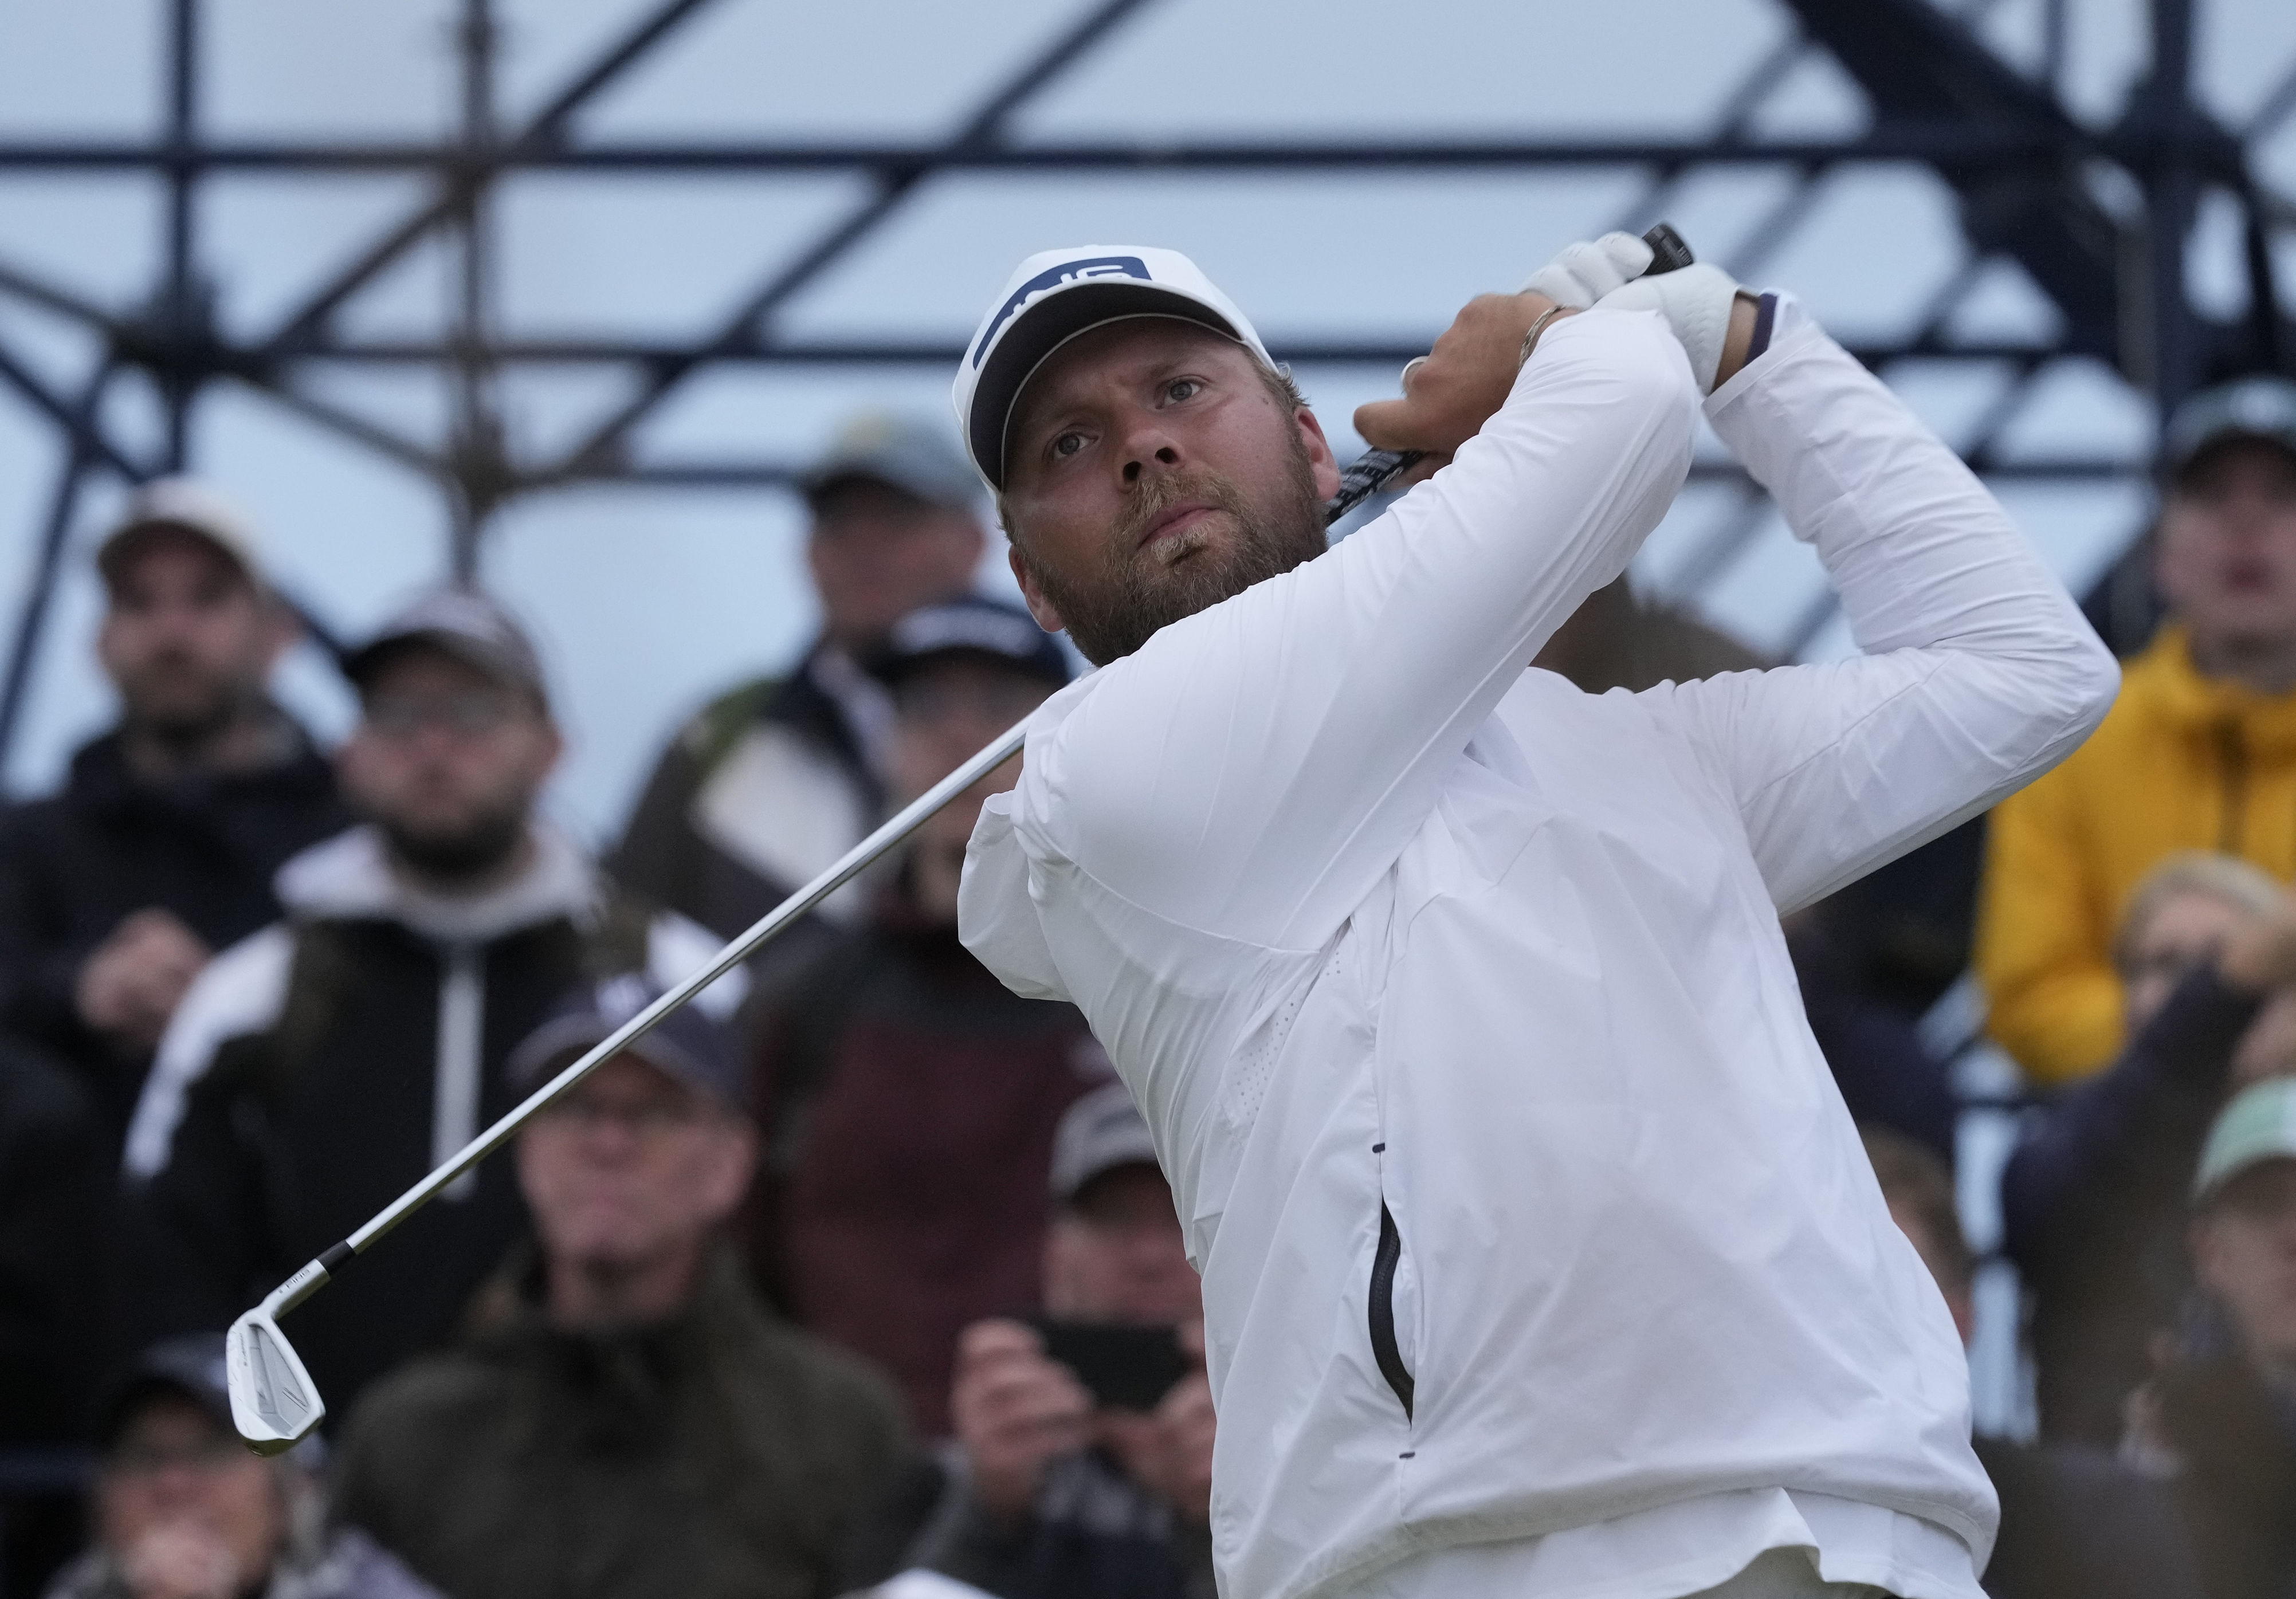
(2259, 1125)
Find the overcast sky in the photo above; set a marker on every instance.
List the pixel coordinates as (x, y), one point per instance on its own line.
(646, 601)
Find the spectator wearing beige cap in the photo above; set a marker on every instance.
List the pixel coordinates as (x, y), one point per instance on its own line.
(776, 778)
(161, 845)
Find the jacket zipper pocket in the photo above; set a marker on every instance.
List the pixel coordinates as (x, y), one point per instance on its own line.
(1383, 1348)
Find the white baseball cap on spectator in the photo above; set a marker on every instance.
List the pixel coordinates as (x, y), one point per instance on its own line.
(1056, 294)
(2259, 1125)
(181, 505)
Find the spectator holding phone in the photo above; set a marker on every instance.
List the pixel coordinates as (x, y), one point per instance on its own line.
(1067, 1481)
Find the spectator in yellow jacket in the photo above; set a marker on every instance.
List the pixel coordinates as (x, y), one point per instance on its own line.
(2198, 753)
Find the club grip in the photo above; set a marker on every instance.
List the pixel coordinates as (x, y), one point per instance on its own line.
(1375, 470)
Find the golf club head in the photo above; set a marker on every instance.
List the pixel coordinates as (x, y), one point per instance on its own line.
(274, 1402)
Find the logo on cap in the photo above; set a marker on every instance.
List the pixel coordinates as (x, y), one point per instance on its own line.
(1052, 277)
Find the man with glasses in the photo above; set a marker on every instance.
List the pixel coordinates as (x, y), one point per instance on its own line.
(626, 1418)
(321, 1065)
(909, 1098)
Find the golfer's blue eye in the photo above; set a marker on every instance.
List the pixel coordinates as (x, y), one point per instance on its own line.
(1180, 388)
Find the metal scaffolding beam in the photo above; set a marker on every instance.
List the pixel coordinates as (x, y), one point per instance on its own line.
(1999, 136)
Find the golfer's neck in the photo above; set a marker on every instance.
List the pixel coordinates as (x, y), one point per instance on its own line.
(593, 1293)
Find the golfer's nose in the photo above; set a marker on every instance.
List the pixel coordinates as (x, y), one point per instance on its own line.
(1148, 440)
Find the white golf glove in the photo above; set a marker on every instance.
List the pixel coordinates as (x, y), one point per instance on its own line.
(1581, 274)
(1695, 302)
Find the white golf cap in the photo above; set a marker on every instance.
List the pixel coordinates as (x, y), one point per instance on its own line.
(186, 505)
(1053, 296)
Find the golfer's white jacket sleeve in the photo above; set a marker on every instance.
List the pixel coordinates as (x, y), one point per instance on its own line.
(1253, 770)
(1978, 674)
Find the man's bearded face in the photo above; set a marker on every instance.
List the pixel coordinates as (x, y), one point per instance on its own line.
(1154, 471)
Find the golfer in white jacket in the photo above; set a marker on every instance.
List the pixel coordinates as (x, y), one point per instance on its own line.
(1539, 1255)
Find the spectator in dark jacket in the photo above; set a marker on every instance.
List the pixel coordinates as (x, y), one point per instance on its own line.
(2076, 1523)
(777, 778)
(2222, 1420)
(160, 847)
(909, 1097)
(56, 1182)
(2092, 1199)
(184, 1512)
(1092, 1482)
(318, 1068)
(627, 1421)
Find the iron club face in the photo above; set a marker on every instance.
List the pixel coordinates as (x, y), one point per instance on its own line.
(274, 1402)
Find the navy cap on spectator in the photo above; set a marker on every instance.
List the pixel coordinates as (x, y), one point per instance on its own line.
(190, 1367)
(686, 1045)
(973, 624)
(913, 456)
(464, 624)
(2261, 407)
(1098, 1133)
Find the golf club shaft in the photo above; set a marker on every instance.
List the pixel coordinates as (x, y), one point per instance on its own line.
(1375, 470)
(307, 1281)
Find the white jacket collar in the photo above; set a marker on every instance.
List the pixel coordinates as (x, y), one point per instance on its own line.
(349, 875)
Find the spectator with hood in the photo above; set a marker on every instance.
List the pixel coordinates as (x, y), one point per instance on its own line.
(2222, 1419)
(321, 1066)
(2198, 753)
(778, 777)
(183, 1511)
(161, 846)
(2094, 1197)
(625, 1419)
(908, 1097)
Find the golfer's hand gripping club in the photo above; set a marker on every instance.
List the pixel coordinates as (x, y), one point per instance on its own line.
(1375, 470)
(274, 1402)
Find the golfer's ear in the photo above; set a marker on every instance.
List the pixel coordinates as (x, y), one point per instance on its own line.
(1047, 616)
(1321, 462)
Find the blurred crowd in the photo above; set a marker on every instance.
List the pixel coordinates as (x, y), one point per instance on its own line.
(860, 1272)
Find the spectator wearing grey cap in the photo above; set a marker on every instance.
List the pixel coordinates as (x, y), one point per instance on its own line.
(2199, 752)
(908, 1097)
(183, 1511)
(1090, 1479)
(778, 777)
(320, 1066)
(625, 1416)
(161, 845)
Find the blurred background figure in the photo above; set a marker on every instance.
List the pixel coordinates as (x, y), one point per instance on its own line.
(324, 1064)
(57, 1176)
(2221, 1420)
(2199, 752)
(161, 846)
(2076, 1523)
(626, 1418)
(779, 777)
(2093, 1199)
(909, 1098)
(183, 1511)
(1091, 1482)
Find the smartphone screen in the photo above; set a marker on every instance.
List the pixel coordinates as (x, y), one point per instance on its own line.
(1123, 1366)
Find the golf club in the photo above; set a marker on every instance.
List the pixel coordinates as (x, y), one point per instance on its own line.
(274, 1402)
(1375, 470)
